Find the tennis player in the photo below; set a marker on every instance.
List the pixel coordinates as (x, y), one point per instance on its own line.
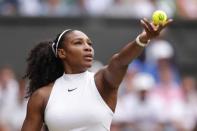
(64, 95)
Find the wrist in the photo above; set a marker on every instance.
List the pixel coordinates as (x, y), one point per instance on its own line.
(143, 38)
(142, 41)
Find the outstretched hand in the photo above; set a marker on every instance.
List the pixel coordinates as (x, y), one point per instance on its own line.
(150, 30)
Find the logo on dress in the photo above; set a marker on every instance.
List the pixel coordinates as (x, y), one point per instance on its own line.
(69, 90)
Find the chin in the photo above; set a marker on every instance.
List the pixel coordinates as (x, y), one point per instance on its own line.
(88, 65)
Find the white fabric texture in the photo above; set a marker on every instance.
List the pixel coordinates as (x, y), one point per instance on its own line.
(76, 105)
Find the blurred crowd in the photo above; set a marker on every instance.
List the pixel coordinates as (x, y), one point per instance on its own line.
(113, 8)
(152, 97)
(12, 102)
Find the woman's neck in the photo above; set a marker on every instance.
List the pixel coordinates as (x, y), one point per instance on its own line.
(73, 70)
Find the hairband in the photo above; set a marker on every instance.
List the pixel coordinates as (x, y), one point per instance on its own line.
(55, 44)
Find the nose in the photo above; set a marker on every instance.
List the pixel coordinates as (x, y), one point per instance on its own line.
(87, 47)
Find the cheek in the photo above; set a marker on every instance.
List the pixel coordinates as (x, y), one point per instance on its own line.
(74, 54)
(92, 50)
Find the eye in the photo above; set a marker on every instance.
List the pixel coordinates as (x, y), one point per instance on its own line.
(78, 43)
(90, 43)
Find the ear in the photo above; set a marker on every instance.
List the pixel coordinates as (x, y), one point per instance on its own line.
(61, 53)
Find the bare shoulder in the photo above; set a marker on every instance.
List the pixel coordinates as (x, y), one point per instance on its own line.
(103, 80)
(99, 78)
(43, 91)
(41, 95)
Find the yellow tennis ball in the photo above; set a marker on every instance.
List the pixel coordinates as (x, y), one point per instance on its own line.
(159, 17)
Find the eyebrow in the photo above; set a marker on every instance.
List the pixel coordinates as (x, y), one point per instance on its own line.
(81, 39)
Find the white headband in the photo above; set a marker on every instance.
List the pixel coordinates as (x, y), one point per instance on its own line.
(57, 43)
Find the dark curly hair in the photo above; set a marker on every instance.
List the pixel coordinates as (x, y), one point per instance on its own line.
(43, 66)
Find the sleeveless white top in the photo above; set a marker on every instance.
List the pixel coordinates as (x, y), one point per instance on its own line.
(76, 105)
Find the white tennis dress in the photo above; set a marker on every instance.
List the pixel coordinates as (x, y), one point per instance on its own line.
(76, 105)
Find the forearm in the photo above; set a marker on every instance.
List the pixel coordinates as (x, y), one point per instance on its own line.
(134, 49)
(130, 52)
(118, 64)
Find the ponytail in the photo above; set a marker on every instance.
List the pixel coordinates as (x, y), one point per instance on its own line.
(43, 67)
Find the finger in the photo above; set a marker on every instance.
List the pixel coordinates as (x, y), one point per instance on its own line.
(168, 23)
(152, 29)
(145, 26)
(162, 26)
(148, 24)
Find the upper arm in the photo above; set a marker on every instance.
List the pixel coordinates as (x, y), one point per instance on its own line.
(113, 73)
(35, 113)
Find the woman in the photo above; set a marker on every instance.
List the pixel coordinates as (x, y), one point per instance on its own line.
(77, 100)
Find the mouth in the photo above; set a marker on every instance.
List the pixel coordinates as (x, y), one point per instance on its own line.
(88, 57)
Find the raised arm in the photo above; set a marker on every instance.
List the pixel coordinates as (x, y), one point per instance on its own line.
(114, 72)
